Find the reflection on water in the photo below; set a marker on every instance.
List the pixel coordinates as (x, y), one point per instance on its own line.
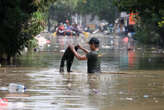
(47, 89)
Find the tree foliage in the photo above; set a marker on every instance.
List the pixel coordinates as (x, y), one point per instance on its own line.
(105, 9)
(151, 13)
(20, 20)
(62, 10)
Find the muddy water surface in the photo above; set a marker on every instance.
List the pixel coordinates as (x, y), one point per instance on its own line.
(142, 87)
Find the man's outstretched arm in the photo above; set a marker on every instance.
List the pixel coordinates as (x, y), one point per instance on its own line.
(83, 49)
(78, 56)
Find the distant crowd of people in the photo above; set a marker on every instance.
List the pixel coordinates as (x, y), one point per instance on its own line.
(74, 29)
(68, 29)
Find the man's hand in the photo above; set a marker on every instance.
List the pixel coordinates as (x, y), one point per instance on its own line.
(79, 46)
(78, 56)
(83, 49)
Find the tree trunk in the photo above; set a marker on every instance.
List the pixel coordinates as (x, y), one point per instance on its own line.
(161, 32)
(8, 60)
(49, 24)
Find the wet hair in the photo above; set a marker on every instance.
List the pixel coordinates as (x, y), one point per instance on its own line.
(94, 41)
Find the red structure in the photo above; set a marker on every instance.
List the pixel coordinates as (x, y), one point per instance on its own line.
(132, 20)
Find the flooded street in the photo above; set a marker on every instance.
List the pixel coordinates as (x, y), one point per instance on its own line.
(130, 80)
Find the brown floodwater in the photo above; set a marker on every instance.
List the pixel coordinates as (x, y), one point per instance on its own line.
(141, 86)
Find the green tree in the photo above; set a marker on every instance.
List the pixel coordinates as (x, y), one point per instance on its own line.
(62, 10)
(151, 13)
(105, 9)
(20, 20)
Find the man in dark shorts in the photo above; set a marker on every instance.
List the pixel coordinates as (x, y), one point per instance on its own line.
(92, 57)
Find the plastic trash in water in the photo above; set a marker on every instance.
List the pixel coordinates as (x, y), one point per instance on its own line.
(125, 40)
(146, 96)
(3, 102)
(93, 91)
(62, 51)
(15, 106)
(4, 89)
(14, 88)
(121, 92)
(129, 99)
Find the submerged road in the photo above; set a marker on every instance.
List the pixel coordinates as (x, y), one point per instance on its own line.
(142, 87)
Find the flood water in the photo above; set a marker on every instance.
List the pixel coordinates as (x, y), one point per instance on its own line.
(140, 86)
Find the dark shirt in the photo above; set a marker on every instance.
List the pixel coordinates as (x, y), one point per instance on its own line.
(93, 62)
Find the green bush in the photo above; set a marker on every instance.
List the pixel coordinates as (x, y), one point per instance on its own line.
(20, 21)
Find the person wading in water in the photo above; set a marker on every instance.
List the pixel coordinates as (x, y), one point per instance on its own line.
(92, 57)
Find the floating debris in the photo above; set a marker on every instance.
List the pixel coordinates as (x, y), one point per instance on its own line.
(146, 96)
(129, 99)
